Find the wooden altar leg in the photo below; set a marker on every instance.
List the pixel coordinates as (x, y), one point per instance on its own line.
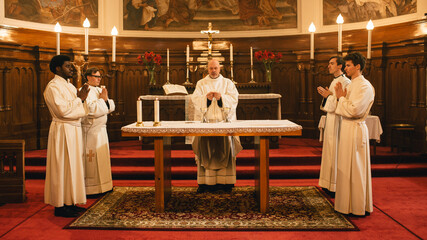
(262, 172)
(162, 156)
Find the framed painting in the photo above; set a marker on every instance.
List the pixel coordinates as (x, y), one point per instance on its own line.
(66, 12)
(193, 15)
(363, 10)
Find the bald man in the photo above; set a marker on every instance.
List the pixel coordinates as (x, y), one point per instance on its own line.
(215, 156)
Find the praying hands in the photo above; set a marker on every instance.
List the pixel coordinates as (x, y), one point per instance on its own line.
(339, 92)
(324, 92)
(212, 95)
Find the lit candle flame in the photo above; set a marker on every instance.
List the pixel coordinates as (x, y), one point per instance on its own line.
(370, 25)
(340, 19)
(312, 28)
(58, 28)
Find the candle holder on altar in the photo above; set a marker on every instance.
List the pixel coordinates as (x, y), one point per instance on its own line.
(139, 124)
(80, 63)
(252, 75)
(157, 124)
(167, 75)
(231, 72)
(191, 69)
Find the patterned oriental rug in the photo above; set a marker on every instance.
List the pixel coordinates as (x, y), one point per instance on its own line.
(291, 208)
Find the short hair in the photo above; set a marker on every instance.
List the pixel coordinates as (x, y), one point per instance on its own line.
(340, 61)
(90, 71)
(57, 61)
(356, 58)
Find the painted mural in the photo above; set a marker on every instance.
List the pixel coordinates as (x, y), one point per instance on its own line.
(363, 10)
(194, 15)
(66, 12)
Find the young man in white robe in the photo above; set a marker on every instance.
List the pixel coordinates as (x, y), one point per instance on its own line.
(96, 153)
(328, 167)
(64, 185)
(354, 183)
(215, 156)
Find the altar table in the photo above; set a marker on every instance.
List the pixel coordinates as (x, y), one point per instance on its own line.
(260, 129)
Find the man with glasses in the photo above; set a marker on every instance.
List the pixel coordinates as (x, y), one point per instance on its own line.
(96, 157)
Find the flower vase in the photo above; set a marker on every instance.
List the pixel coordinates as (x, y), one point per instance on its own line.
(152, 76)
(268, 75)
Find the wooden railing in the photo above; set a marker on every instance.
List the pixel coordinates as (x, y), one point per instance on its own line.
(12, 171)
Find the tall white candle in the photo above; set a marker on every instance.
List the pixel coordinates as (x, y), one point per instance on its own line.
(252, 64)
(139, 110)
(252, 57)
(167, 70)
(58, 30)
(114, 33)
(188, 61)
(312, 29)
(369, 26)
(188, 53)
(340, 21)
(156, 110)
(86, 25)
(231, 52)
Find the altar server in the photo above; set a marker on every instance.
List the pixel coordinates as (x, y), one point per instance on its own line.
(215, 156)
(354, 186)
(64, 185)
(96, 148)
(328, 167)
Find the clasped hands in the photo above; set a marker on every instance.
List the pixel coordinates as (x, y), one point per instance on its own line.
(339, 92)
(212, 95)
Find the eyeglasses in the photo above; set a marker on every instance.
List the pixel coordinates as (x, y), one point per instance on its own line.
(96, 76)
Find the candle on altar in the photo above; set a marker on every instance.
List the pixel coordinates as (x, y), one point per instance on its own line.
(167, 60)
(370, 27)
(188, 60)
(58, 30)
(156, 110)
(312, 29)
(340, 21)
(139, 110)
(252, 64)
(231, 52)
(114, 33)
(86, 25)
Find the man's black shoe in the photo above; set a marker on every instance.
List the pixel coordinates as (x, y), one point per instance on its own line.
(65, 212)
(76, 208)
(202, 188)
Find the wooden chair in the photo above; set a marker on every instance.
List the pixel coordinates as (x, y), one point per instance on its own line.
(12, 172)
(402, 135)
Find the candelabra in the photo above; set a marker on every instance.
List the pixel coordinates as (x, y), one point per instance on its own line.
(167, 75)
(252, 75)
(231, 72)
(191, 68)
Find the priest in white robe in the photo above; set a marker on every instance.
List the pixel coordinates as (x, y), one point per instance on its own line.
(354, 183)
(96, 153)
(215, 156)
(64, 185)
(328, 167)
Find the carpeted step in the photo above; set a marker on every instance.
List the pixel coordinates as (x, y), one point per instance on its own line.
(247, 172)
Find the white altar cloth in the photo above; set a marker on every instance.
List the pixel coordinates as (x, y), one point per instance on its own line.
(372, 122)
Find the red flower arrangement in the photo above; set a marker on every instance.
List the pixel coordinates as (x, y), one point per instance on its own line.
(268, 58)
(150, 59)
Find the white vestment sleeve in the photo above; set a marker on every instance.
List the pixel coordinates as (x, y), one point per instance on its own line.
(356, 106)
(61, 107)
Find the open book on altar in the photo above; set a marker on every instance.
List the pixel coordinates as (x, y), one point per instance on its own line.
(174, 89)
